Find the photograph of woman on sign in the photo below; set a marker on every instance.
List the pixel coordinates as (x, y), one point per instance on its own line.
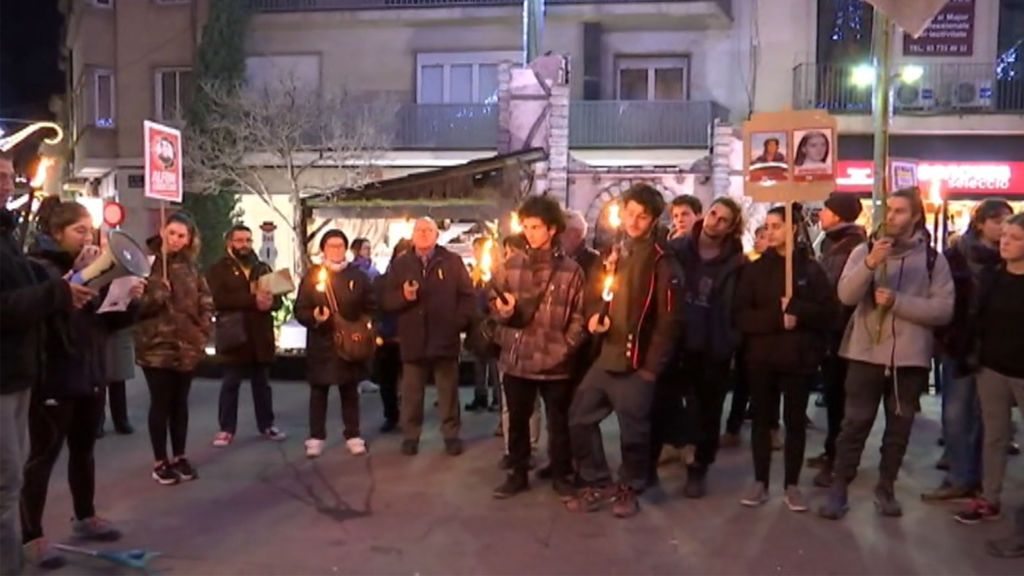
(813, 153)
(768, 157)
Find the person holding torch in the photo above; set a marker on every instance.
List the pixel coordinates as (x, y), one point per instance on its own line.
(540, 326)
(635, 341)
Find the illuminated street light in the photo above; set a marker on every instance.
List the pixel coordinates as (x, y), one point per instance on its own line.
(911, 73)
(863, 76)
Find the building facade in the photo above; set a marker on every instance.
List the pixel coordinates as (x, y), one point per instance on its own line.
(647, 79)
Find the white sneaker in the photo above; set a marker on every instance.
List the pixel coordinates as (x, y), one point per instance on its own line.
(314, 447)
(357, 446)
(367, 387)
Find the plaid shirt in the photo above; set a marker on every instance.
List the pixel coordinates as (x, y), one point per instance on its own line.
(541, 347)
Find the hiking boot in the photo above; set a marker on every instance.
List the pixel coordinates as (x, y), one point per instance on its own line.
(978, 511)
(756, 495)
(356, 446)
(729, 440)
(695, 483)
(410, 447)
(1011, 547)
(819, 461)
(886, 502)
(274, 433)
(625, 503)
(96, 529)
(41, 554)
(222, 439)
(947, 492)
(164, 474)
(564, 487)
(590, 499)
(824, 477)
(184, 469)
(514, 484)
(836, 504)
(795, 500)
(453, 447)
(314, 447)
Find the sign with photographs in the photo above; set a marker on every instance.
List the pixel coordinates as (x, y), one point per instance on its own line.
(789, 156)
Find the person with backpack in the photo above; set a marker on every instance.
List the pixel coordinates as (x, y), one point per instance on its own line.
(902, 290)
(782, 349)
(329, 296)
(540, 327)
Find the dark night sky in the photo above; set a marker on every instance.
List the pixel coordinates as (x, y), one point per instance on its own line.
(30, 36)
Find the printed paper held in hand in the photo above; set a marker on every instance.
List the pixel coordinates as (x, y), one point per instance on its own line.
(119, 295)
(277, 283)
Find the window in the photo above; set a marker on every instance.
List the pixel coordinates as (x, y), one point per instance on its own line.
(459, 77)
(103, 84)
(173, 92)
(652, 78)
(103, 3)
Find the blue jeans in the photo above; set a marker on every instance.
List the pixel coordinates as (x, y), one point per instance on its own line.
(961, 423)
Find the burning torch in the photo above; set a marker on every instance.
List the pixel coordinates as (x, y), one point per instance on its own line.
(608, 287)
(486, 263)
(321, 284)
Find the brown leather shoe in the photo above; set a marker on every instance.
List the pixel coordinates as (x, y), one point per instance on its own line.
(625, 503)
(590, 499)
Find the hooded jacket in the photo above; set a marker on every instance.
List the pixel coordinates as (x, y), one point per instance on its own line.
(924, 301)
(541, 347)
(969, 261)
(76, 340)
(709, 291)
(658, 296)
(759, 313)
(175, 325)
(28, 296)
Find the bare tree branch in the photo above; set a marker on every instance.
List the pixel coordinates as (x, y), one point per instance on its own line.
(285, 139)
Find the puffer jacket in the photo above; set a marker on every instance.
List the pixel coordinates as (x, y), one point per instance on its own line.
(541, 347)
(76, 340)
(175, 325)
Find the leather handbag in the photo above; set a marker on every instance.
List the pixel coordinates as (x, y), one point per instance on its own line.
(229, 331)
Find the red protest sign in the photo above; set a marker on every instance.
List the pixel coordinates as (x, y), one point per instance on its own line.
(163, 159)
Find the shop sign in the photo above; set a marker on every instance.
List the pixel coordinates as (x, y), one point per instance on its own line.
(963, 178)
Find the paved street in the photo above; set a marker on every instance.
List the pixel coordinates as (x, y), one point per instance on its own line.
(262, 508)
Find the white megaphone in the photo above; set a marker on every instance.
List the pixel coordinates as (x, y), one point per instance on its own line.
(122, 257)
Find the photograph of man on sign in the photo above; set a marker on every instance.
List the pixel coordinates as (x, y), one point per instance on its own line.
(813, 154)
(165, 153)
(768, 152)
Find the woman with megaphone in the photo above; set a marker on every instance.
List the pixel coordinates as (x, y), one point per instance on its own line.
(64, 407)
(175, 324)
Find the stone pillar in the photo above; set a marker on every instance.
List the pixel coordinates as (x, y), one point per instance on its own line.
(558, 144)
(504, 144)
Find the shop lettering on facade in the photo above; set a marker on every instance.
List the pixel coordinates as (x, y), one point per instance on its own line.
(958, 178)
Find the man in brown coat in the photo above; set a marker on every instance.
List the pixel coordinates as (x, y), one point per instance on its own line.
(247, 311)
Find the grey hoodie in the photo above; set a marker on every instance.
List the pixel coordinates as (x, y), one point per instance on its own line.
(922, 304)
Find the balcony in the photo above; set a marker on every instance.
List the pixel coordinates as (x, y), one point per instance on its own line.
(592, 124)
(945, 89)
(322, 5)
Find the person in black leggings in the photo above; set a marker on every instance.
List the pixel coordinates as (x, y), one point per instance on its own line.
(64, 407)
(176, 313)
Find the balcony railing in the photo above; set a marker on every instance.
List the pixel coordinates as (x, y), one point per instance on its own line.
(592, 124)
(314, 5)
(946, 88)
(612, 124)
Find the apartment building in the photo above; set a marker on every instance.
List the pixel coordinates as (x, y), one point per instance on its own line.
(647, 78)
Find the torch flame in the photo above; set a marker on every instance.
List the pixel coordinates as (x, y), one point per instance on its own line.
(513, 223)
(606, 292)
(321, 280)
(614, 220)
(39, 179)
(486, 261)
(935, 192)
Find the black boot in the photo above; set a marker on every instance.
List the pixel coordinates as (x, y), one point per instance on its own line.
(515, 483)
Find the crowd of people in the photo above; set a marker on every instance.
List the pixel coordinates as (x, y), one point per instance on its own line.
(656, 330)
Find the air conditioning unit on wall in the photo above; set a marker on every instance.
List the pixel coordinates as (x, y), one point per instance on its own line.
(916, 97)
(971, 94)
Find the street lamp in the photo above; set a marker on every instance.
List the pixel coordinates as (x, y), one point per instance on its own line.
(911, 73)
(863, 76)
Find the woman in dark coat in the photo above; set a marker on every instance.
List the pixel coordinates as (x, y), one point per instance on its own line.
(784, 346)
(65, 407)
(354, 296)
